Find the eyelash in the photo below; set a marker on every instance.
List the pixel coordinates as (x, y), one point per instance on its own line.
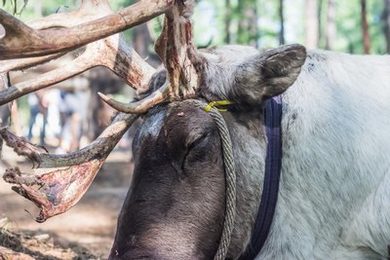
(192, 146)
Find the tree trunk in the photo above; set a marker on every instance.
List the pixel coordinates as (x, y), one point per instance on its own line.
(281, 17)
(99, 114)
(228, 21)
(142, 40)
(331, 31)
(319, 17)
(254, 27)
(5, 110)
(247, 27)
(386, 23)
(311, 26)
(9, 111)
(365, 31)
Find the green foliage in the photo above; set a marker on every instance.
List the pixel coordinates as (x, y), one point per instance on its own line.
(246, 13)
(120, 3)
(15, 6)
(376, 27)
(348, 23)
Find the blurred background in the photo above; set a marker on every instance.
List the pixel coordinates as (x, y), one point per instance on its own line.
(69, 115)
(355, 26)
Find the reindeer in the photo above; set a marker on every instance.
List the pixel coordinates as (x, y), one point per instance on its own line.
(333, 199)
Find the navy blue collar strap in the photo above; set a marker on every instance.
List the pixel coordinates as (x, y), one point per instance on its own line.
(273, 163)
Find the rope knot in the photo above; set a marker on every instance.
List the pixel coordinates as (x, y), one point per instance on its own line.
(220, 105)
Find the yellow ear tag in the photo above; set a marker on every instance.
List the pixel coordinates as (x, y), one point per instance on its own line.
(221, 105)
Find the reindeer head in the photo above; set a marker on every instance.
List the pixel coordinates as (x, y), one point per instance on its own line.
(174, 162)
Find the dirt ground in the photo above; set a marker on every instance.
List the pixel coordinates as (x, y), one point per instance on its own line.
(84, 232)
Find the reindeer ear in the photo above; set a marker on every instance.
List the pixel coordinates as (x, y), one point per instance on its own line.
(268, 74)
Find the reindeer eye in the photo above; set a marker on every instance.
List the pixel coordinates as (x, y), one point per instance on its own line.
(197, 150)
(198, 140)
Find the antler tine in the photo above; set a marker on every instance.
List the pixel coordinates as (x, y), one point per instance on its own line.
(182, 62)
(19, 64)
(36, 42)
(99, 148)
(126, 63)
(139, 107)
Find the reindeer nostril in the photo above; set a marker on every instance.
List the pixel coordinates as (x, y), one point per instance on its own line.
(2, 31)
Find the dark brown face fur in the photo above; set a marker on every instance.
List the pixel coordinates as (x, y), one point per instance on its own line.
(175, 207)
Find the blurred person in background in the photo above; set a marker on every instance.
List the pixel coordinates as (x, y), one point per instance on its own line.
(72, 108)
(38, 104)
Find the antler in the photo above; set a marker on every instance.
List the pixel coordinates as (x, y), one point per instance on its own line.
(59, 181)
(183, 63)
(63, 179)
(18, 64)
(22, 41)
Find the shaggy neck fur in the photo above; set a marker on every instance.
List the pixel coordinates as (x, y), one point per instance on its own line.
(334, 200)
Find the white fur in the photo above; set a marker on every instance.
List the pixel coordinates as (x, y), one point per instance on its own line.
(334, 199)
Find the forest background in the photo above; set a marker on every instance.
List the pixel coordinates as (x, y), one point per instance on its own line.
(353, 26)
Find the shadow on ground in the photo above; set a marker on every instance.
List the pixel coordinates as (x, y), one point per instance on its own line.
(40, 246)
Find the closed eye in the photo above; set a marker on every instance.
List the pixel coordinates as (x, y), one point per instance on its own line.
(197, 142)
